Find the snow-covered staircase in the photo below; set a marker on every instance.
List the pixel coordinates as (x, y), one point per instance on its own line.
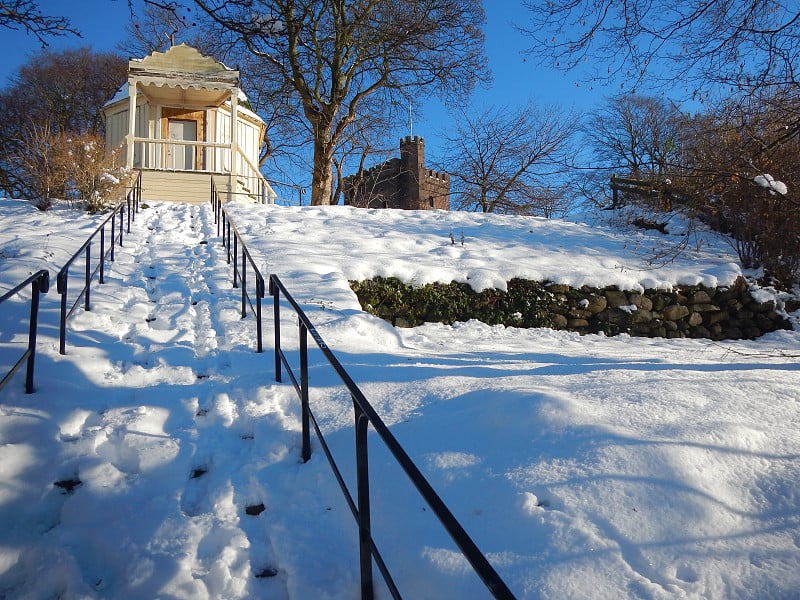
(162, 473)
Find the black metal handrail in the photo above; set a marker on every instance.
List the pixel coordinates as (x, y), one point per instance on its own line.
(232, 241)
(129, 206)
(365, 415)
(40, 284)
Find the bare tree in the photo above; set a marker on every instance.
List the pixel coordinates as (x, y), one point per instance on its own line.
(742, 44)
(155, 29)
(60, 92)
(334, 54)
(507, 161)
(638, 138)
(638, 135)
(287, 132)
(25, 15)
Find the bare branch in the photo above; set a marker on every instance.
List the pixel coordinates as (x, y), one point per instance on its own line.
(753, 44)
(25, 15)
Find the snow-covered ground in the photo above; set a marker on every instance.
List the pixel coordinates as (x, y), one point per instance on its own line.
(584, 467)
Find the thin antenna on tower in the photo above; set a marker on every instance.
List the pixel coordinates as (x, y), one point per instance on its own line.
(410, 120)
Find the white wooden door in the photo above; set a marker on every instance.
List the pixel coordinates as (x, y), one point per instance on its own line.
(181, 157)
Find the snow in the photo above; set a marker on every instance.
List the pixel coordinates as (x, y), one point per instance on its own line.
(584, 467)
(768, 181)
(121, 94)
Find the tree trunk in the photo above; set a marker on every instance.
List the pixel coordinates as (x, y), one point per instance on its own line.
(322, 176)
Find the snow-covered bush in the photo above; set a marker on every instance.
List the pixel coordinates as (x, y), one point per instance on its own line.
(91, 174)
(74, 168)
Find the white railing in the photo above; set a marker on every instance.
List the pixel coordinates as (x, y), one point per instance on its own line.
(180, 155)
(208, 157)
(252, 181)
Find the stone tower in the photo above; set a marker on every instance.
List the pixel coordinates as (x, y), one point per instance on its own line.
(412, 165)
(401, 183)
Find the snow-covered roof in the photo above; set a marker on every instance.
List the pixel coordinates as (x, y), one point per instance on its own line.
(183, 59)
(184, 67)
(121, 94)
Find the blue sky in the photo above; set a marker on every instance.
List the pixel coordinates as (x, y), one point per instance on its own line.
(516, 80)
(102, 23)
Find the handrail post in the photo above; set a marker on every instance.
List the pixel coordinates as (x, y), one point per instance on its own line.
(362, 484)
(38, 285)
(244, 283)
(136, 194)
(103, 253)
(214, 204)
(113, 232)
(228, 237)
(304, 417)
(275, 292)
(121, 221)
(63, 276)
(235, 259)
(88, 276)
(259, 296)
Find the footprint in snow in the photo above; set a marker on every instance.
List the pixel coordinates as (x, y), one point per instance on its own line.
(195, 491)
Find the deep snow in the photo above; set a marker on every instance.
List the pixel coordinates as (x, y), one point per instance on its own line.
(584, 467)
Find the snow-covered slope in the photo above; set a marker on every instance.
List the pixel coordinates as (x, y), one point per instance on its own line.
(584, 467)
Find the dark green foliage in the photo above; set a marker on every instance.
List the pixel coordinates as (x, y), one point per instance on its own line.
(525, 304)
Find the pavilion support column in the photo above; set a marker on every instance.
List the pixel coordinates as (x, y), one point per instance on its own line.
(129, 143)
(234, 141)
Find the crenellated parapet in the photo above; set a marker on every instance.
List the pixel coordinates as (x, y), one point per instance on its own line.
(437, 175)
(412, 139)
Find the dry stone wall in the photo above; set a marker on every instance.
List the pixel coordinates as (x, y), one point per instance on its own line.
(698, 312)
(729, 312)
